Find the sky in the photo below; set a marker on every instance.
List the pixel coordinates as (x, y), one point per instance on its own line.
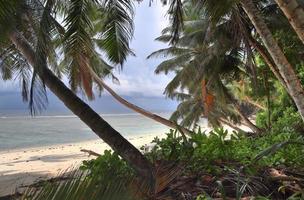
(138, 75)
(138, 83)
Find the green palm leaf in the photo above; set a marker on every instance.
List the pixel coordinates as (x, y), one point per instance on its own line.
(78, 44)
(76, 185)
(118, 30)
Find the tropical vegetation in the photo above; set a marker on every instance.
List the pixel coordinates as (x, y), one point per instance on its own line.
(234, 62)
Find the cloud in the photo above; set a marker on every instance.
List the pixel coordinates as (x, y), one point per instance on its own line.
(6, 86)
(137, 77)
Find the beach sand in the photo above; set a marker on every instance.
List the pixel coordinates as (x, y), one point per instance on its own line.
(22, 167)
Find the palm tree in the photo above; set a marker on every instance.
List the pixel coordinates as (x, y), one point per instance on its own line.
(294, 12)
(35, 30)
(108, 182)
(104, 38)
(286, 70)
(267, 59)
(138, 109)
(219, 11)
(194, 60)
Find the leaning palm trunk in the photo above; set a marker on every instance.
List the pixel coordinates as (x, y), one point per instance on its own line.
(263, 52)
(137, 109)
(245, 119)
(293, 83)
(295, 15)
(230, 124)
(98, 125)
(254, 103)
(238, 109)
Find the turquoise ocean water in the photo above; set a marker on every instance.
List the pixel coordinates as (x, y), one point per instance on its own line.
(25, 131)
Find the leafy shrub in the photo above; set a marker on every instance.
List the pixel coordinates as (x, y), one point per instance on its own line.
(173, 147)
(290, 121)
(261, 119)
(108, 163)
(207, 152)
(199, 151)
(283, 112)
(213, 152)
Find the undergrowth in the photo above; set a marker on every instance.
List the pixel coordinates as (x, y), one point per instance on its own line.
(222, 155)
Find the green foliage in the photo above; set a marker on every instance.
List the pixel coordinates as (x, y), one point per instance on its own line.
(171, 148)
(217, 152)
(284, 120)
(108, 163)
(206, 152)
(117, 30)
(200, 151)
(87, 33)
(203, 197)
(290, 121)
(75, 184)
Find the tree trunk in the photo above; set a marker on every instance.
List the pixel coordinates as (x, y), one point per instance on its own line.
(204, 97)
(295, 15)
(247, 122)
(137, 109)
(234, 126)
(237, 107)
(98, 125)
(293, 83)
(254, 103)
(263, 52)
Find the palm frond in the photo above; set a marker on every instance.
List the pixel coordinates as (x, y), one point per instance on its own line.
(174, 63)
(216, 10)
(14, 66)
(188, 112)
(6, 70)
(167, 52)
(23, 73)
(9, 12)
(118, 30)
(38, 97)
(165, 38)
(175, 13)
(78, 185)
(78, 43)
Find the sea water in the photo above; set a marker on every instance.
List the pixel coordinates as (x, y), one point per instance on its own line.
(25, 131)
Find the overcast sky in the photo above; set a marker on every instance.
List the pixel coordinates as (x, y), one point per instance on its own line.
(138, 75)
(137, 78)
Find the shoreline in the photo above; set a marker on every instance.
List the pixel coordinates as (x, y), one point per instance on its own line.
(18, 149)
(25, 166)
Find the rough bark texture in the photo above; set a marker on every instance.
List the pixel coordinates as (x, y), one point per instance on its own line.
(99, 126)
(295, 15)
(138, 109)
(293, 83)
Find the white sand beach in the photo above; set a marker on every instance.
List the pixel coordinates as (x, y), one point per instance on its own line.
(22, 167)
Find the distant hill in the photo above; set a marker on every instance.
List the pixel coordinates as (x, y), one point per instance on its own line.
(11, 104)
